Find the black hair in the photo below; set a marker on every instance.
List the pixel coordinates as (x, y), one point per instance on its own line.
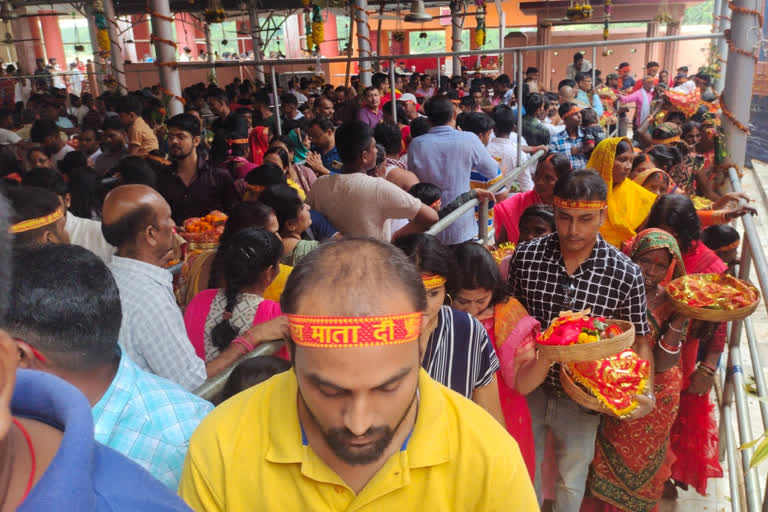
(30, 203)
(533, 103)
(503, 80)
(113, 123)
(323, 123)
(65, 302)
(476, 122)
(717, 237)
(580, 77)
(677, 212)
(218, 94)
(589, 116)
(664, 156)
(623, 65)
(185, 122)
(675, 115)
(476, 268)
(581, 184)
(265, 175)
(260, 97)
(652, 64)
(381, 154)
(420, 126)
(570, 82)
(505, 119)
(402, 118)
(377, 79)
(577, 56)
(564, 108)
(427, 193)
(530, 70)
(690, 126)
(389, 136)
(245, 215)
(639, 159)
(252, 371)
(430, 256)
(288, 98)
(135, 170)
(124, 230)
(439, 110)
(352, 138)
(544, 212)
(468, 101)
(559, 161)
(623, 146)
(129, 104)
(84, 184)
(42, 129)
(354, 262)
(250, 253)
(284, 201)
(47, 178)
(282, 154)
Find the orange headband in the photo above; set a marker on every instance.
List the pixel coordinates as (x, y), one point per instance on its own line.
(436, 205)
(159, 159)
(578, 204)
(31, 224)
(237, 141)
(670, 140)
(343, 332)
(732, 245)
(256, 188)
(574, 110)
(432, 281)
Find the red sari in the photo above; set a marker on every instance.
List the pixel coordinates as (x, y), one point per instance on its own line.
(507, 213)
(512, 331)
(695, 434)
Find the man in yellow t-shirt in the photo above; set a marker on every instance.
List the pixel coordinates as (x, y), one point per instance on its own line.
(357, 424)
(141, 138)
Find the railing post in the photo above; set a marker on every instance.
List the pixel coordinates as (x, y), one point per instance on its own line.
(277, 101)
(594, 68)
(392, 93)
(438, 73)
(519, 106)
(482, 223)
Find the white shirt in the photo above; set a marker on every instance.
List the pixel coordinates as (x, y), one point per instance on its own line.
(299, 96)
(87, 233)
(504, 151)
(76, 79)
(554, 129)
(59, 156)
(8, 137)
(152, 332)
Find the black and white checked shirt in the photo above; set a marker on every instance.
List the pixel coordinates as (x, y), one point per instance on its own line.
(607, 282)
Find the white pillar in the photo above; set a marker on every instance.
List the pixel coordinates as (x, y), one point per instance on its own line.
(457, 24)
(116, 46)
(169, 75)
(722, 46)
(129, 49)
(253, 17)
(363, 41)
(99, 64)
(738, 92)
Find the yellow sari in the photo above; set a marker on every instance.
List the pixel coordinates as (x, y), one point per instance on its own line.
(628, 203)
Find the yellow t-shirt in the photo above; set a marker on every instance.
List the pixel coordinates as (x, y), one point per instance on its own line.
(248, 455)
(140, 134)
(276, 287)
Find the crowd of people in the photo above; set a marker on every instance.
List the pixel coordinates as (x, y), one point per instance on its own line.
(435, 378)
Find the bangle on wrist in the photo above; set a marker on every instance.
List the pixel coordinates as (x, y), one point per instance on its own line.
(243, 343)
(708, 366)
(672, 350)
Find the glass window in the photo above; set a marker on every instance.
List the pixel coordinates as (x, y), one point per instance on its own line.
(74, 32)
(433, 42)
(342, 32)
(276, 37)
(223, 37)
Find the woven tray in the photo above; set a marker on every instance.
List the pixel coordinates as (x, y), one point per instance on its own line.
(580, 395)
(716, 315)
(604, 347)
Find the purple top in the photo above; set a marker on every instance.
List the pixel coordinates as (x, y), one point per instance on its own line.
(369, 117)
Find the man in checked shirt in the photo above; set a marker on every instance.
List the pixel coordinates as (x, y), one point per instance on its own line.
(574, 269)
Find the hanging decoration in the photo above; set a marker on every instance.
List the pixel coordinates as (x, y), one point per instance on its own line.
(579, 10)
(214, 16)
(480, 31)
(102, 31)
(606, 18)
(313, 27)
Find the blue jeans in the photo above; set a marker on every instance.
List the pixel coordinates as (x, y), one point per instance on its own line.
(574, 430)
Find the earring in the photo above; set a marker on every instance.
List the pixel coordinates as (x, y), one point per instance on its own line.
(450, 299)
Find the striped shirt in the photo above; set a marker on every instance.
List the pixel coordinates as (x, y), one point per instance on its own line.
(459, 354)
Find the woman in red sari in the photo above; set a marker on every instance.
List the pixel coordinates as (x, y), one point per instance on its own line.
(632, 458)
(511, 330)
(506, 214)
(694, 436)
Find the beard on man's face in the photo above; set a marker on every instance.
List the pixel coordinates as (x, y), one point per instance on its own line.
(176, 152)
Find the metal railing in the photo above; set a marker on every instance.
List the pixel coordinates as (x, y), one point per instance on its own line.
(733, 385)
(482, 223)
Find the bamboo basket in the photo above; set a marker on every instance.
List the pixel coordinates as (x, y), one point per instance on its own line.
(581, 396)
(716, 315)
(604, 347)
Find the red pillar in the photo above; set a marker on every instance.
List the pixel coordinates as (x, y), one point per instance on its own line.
(34, 28)
(141, 31)
(54, 46)
(185, 34)
(330, 48)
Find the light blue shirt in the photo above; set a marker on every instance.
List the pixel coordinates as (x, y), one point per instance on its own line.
(446, 157)
(597, 105)
(149, 420)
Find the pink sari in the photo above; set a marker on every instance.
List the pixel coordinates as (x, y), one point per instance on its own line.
(506, 214)
(197, 312)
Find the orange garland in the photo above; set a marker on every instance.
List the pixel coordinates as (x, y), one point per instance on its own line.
(360, 36)
(732, 117)
(153, 37)
(169, 93)
(158, 15)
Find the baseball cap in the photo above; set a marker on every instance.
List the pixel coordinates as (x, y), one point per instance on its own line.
(408, 97)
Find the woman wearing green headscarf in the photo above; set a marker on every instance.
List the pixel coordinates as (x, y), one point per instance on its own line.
(631, 461)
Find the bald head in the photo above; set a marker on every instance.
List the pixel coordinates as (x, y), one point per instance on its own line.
(137, 220)
(353, 277)
(566, 94)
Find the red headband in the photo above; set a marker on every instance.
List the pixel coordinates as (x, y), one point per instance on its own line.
(345, 332)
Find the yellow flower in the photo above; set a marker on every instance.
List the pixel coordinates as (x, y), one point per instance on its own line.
(317, 32)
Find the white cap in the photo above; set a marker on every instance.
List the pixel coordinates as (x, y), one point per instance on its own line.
(408, 97)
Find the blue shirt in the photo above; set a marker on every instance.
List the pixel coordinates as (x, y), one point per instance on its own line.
(564, 143)
(149, 420)
(596, 104)
(331, 160)
(446, 157)
(83, 475)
